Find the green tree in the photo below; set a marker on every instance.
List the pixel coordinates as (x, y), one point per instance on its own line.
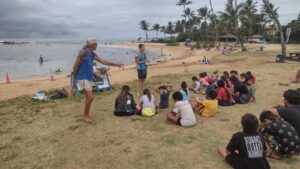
(248, 13)
(163, 30)
(231, 18)
(184, 3)
(156, 28)
(273, 14)
(170, 29)
(145, 26)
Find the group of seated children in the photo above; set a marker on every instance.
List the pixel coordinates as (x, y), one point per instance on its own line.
(225, 90)
(231, 88)
(277, 135)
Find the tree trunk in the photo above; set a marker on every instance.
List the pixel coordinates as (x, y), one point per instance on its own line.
(156, 35)
(283, 43)
(184, 29)
(146, 35)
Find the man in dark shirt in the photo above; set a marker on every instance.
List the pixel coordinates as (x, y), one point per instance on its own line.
(246, 150)
(291, 110)
(280, 135)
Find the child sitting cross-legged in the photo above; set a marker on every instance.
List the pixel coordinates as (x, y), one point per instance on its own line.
(209, 107)
(124, 104)
(182, 113)
(147, 102)
(246, 149)
(164, 93)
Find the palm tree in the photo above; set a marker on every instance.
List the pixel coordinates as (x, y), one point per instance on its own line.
(184, 3)
(248, 12)
(179, 27)
(214, 18)
(169, 29)
(145, 26)
(188, 13)
(274, 16)
(163, 30)
(203, 15)
(156, 28)
(231, 16)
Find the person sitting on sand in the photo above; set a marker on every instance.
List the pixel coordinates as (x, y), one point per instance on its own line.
(209, 107)
(182, 114)
(124, 103)
(164, 93)
(248, 73)
(196, 86)
(211, 86)
(290, 112)
(240, 93)
(246, 149)
(215, 76)
(203, 79)
(234, 73)
(223, 94)
(251, 88)
(280, 136)
(83, 73)
(147, 102)
(185, 91)
(205, 60)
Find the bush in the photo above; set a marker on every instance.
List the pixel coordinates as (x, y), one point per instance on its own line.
(211, 44)
(198, 45)
(272, 39)
(182, 37)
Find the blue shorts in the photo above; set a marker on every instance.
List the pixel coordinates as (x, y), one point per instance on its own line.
(142, 74)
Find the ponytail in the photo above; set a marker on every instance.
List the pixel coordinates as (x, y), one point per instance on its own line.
(147, 92)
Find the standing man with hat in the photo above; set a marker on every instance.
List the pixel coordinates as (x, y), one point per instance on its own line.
(83, 73)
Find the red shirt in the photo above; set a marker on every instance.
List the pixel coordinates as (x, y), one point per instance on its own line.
(222, 94)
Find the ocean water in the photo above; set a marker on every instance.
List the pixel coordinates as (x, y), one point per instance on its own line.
(21, 61)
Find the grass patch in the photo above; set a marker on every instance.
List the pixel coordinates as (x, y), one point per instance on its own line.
(53, 135)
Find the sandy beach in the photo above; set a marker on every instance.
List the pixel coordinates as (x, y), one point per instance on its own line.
(177, 60)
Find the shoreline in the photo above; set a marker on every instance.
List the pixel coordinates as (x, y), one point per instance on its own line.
(31, 86)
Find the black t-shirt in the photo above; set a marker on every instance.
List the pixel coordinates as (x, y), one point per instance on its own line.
(241, 88)
(291, 115)
(164, 99)
(287, 142)
(125, 107)
(251, 150)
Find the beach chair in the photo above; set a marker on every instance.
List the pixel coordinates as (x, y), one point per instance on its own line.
(100, 82)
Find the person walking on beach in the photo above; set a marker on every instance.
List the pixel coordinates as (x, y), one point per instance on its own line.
(83, 73)
(140, 61)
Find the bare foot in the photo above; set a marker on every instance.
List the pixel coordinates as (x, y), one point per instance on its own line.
(88, 119)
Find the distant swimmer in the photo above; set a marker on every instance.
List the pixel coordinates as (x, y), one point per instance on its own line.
(41, 59)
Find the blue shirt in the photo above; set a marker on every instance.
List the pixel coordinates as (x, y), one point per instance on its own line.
(186, 97)
(142, 58)
(85, 69)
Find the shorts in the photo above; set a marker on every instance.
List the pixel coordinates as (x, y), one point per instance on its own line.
(142, 74)
(85, 85)
(178, 121)
(148, 111)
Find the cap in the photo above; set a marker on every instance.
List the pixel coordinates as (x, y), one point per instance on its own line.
(91, 41)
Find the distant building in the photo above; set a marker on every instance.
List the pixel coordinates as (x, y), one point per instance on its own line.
(271, 30)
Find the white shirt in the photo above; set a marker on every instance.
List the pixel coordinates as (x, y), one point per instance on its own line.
(197, 86)
(146, 102)
(187, 114)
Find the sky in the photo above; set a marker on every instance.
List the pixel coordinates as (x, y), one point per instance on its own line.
(105, 20)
